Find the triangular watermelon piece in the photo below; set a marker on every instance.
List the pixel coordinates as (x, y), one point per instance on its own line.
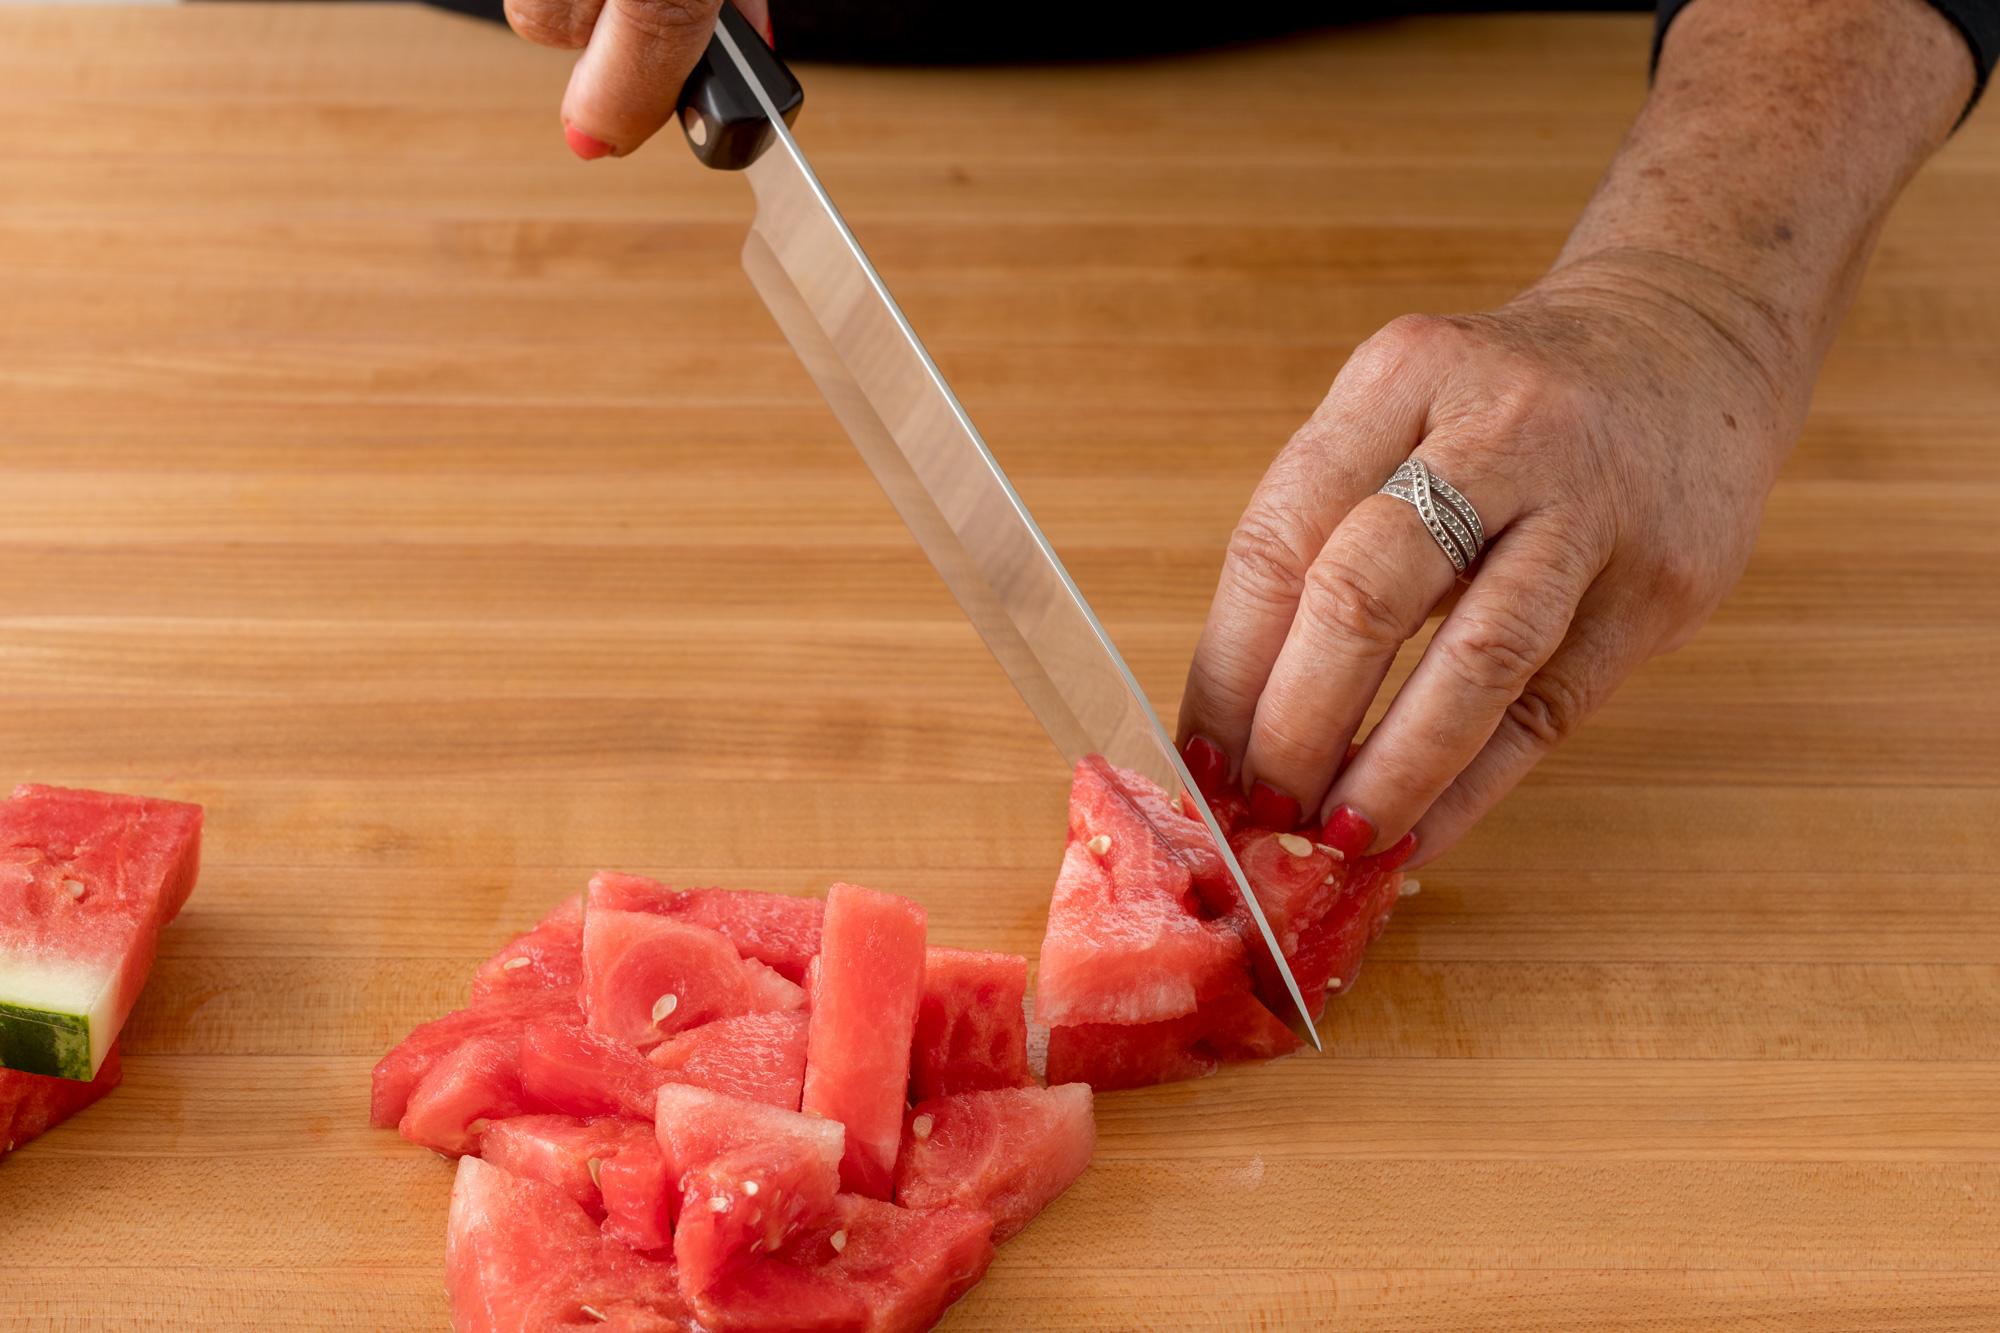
(521, 1255)
(1105, 800)
(469, 1088)
(1008, 1152)
(972, 1028)
(565, 1151)
(1325, 911)
(647, 977)
(578, 1072)
(758, 1057)
(87, 881)
(776, 929)
(398, 1072)
(33, 1104)
(1108, 1056)
(549, 957)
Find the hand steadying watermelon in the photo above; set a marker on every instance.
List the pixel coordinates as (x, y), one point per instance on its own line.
(643, 1163)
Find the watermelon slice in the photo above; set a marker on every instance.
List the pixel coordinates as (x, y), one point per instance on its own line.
(972, 1031)
(639, 1199)
(870, 1268)
(758, 1057)
(87, 880)
(752, 1177)
(1107, 800)
(647, 977)
(521, 1255)
(1324, 910)
(476, 1084)
(864, 1015)
(549, 957)
(33, 1104)
(778, 930)
(1122, 945)
(566, 1152)
(1108, 1056)
(1009, 1152)
(398, 1072)
(578, 1072)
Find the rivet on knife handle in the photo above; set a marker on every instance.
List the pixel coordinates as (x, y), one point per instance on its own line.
(724, 123)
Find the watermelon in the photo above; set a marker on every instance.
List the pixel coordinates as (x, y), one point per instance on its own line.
(578, 1072)
(1107, 800)
(521, 1255)
(776, 929)
(1122, 945)
(478, 1083)
(751, 1177)
(759, 1057)
(549, 957)
(565, 1151)
(871, 1267)
(864, 1016)
(639, 1199)
(1324, 910)
(87, 881)
(972, 1031)
(1108, 1056)
(647, 977)
(33, 1104)
(398, 1072)
(1007, 1152)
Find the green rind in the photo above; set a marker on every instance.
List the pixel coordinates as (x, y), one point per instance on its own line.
(37, 1041)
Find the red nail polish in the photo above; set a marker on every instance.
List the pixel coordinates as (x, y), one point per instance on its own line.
(1272, 809)
(1401, 850)
(583, 145)
(1349, 830)
(1209, 765)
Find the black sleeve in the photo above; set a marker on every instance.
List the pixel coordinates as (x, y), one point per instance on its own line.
(1978, 21)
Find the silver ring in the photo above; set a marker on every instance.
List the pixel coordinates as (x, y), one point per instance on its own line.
(1448, 516)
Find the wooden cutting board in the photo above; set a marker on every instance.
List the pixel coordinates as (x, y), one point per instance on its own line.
(446, 515)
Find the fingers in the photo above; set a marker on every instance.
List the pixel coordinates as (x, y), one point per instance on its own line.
(1607, 639)
(1377, 578)
(1372, 417)
(638, 55)
(563, 24)
(1504, 629)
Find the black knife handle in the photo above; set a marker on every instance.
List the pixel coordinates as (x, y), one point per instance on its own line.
(724, 124)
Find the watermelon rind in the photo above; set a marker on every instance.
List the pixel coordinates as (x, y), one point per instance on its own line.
(56, 1018)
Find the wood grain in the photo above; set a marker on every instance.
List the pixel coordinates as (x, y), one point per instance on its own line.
(446, 516)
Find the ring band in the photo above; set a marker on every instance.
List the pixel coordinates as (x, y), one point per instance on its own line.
(1448, 516)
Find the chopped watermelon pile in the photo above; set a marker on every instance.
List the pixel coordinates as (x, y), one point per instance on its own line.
(1152, 969)
(691, 1109)
(87, 882)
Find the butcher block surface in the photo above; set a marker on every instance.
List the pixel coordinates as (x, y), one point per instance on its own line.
(447, 516)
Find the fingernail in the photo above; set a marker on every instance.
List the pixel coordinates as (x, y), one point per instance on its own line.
(583, 145)
(1401, 850)
(1208, 764)
(1271, 808)
(1348, 830)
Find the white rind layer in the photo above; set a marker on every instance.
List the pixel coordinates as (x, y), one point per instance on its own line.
(86, 992)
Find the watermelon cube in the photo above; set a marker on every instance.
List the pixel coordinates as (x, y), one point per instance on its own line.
(759, 1057)
(33, 1104)
(578, 1072)
(522, 1255)
(972, 1027)
(776, 929)
(864, 1016)
(87, 881)
(647, 977)
(476, 1084)
(1008, 1152)
(399, 1072)
(565, 1151)
(1108, 1056)
(549, 957)
(639, 1199)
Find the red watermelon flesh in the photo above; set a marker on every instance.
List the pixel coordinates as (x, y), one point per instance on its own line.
(776, 929)
(1109, 1056)
(476, 1084)
(1330, 948)
(398, 1072)
(559, 1150)
(521, 1255)
(972, 1031)
(759, 1057)
(1124, 948)
(647, 977)
(1008, 1152)
(583, 1073)
(638, 1198)
(549, 957)
(1295, 880)
(864, 1016)
(87, 881)
(33, 1104)
(1103, 799)
(870, 1268)
(1324, 910)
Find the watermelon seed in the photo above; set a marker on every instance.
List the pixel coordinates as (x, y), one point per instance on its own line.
(1333, 983)
(1333, 852)
(594, 1313)
(663, 1006)
(1294, 844)
(1411, 888)
(596, 1164)
(838, 1240)
(513, 963)
(750, 1188)
(1100, 844)
(718, 1204)
(921, 1127)
(1327, 880)
(74, 887)
(478, 1126)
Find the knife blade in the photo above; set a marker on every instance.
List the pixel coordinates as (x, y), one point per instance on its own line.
(915, 436)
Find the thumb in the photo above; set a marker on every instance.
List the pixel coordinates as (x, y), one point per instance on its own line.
(624, 86)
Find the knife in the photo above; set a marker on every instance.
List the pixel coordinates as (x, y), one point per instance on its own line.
(736, 110)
